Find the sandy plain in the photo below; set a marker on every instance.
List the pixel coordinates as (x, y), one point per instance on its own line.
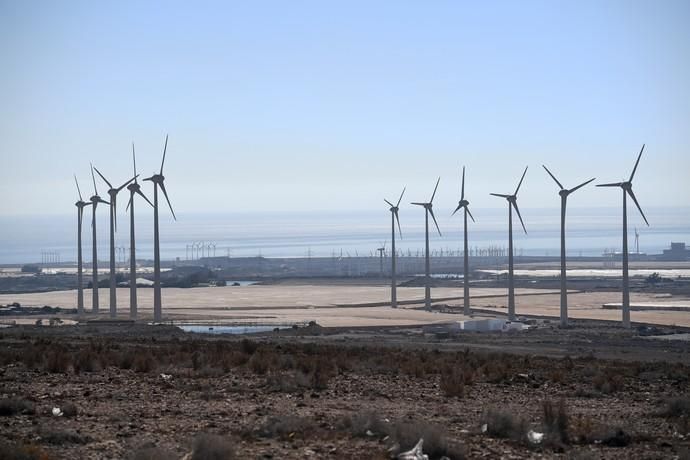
(338, 305)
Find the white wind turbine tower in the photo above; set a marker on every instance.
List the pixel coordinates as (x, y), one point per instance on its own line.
(512, 203)
(134, 188)
(394, 217)
(95, 199)
(463, 204)
(428, 209)
(113, 191)
(81, 204)
(158, 181)
(382, 252)
(627, 190)
(564, 200)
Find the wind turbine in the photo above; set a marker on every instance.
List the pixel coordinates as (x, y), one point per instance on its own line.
(627, 190)
(564, 200)
(81, 204)
(512, 203)
(428, 209)
(134, 188)
(463, 204)
(382, 252)
(394, 218)
(95, 199)
(158, 181)
(113, 191)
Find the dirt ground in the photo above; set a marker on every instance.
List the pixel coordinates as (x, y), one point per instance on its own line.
(336, 305)
(595, 391)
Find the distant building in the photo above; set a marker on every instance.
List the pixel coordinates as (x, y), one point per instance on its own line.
(678, 252)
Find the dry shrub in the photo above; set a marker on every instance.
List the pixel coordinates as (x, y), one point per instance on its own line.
(437, 443)
(497, 371)
(60, 437)
(453, 383)
(21, 452)
(503, 424)
(678, 409)
(285, 426)
(555, 418)
(586, 430)
(14, 406)
(261, 361)
(287, 382)
(364, 424)
(143, 362)
(607, 382)
(151, 453)
(58, 361)
(248, 347)
(87, 360)
(212, 447)
(69, 409)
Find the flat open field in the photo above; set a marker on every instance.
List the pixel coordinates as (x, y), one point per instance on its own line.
(352, 305)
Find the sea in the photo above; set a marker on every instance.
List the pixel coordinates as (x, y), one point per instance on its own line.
(332, 233)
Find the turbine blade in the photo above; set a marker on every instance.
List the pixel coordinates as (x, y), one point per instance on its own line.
(521, 179)
(456, 210)
(101, 200)
(94, 180)
(397, 218)
(389, 203)
(499, 195)
(134, 157)
(636, 163)
(468, 212)
(81, 215)
(113, 210)
(581, 185)
(164, 150)
(418, 204)
(401, 195)
(553, 177)
(168, 200)
(431, 211)
(78, 191)
(126, 183)
(149, 178)
(434, 194)
(616, 184)
(518, 213)
(632, 195)
(462, 188)
(144, 197)
(103, 177)
(129, 202)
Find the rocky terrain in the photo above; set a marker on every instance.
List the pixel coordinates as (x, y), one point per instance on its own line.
(153, 392)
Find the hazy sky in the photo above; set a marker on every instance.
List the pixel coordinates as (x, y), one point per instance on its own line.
(310, 105)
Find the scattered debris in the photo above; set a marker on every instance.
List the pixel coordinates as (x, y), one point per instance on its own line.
(535, 437)
(57, 412)
(415, 453)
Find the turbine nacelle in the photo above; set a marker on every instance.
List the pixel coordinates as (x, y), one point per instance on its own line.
(156, 178)
(134, 187)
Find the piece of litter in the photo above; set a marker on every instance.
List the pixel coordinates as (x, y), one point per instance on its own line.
(414, 454)
(369, 433)
(57, 412)
(535, 437)
(166, 377)
(484, 428)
